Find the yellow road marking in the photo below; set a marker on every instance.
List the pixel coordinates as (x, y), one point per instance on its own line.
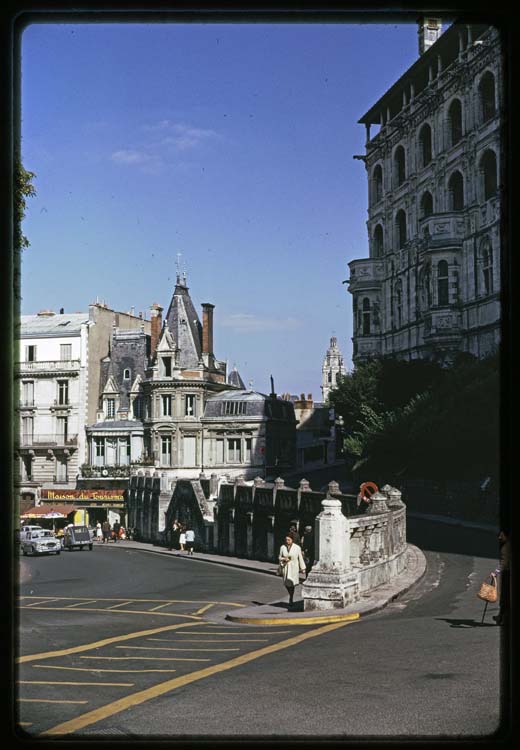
(95, 669)
(168, 648)
(103, 712)
(142, 658)
(78, 604)
(62, 682)
(42, 599)
(107, 609)
(203, 609)
(25, 723)
(118, 599)
(160, 606)
(232, 632)
(224, 640)
(45, 700)
(104, 642)
(122, 604)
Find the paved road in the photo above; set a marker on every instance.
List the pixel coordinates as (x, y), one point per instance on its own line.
(118, 642)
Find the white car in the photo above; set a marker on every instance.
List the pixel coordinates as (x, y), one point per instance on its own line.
(40, 542)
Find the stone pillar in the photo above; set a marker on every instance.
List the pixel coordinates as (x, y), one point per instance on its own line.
(331, 584)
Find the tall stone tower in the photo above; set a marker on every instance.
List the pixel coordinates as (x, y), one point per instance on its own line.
(332, 367)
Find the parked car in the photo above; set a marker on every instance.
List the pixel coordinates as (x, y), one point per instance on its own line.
(40, 542)
(77, 536)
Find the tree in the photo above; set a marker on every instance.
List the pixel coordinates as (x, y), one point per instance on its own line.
(23, 189)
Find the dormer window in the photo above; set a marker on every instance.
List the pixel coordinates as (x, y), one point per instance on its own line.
(111, 408)
(166, 367)
(126, 374)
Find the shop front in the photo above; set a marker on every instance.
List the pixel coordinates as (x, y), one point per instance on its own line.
(91, 505)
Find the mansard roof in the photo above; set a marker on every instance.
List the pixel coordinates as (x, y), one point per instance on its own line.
(184, 325)
(128, 351)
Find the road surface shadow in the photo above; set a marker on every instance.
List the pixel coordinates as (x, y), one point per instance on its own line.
(467, 623)
(460, 540)
(296, 607)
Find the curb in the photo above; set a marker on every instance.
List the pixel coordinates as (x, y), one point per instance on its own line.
(310, 620)
(378, 599)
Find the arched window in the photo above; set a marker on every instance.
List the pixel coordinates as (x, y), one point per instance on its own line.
(456, 191)
(378, 241)
(377, 183)
(426, 205)
(126, 375)
(486, 92)
(488, 169)
(365, 317)
(400, 228)
(455, 121)
(425, 145)
(425, 288)
(399, 304)
(486, 259)
(399, 166)
(442, 283)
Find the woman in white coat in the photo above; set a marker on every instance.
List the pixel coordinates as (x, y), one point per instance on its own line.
(292, 562)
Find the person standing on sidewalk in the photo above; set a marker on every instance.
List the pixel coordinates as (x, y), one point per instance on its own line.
(116, 528)
(504, 571)
(106, 528)
(292, 563)
(182, 538)
(307, 545)
(190, 540)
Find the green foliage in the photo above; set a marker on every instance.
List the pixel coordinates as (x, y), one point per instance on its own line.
(23, 189)
(417, 419)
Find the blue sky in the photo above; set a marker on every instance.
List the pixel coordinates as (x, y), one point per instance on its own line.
(231, 144)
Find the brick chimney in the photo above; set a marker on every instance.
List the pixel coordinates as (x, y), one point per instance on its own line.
(207, 328)
(155, 326)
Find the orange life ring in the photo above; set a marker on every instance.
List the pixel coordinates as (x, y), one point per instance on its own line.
(366, 491)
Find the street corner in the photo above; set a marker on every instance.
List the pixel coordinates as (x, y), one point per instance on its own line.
(276, 613)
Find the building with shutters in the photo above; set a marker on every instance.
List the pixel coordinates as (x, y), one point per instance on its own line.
(57, 377)
(430, 286)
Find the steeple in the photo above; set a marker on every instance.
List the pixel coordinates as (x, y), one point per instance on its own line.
(332, 368)
(184, 324)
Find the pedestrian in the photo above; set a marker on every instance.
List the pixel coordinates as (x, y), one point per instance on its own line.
(182, 537)
(307, 545)
(99, 532)
(293, 532)
(504, 580)
(116, 528)
(106, 528)
(292, 562)
(190, 540)
(172, 535)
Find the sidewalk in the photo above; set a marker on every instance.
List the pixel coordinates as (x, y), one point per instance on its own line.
(276, 613)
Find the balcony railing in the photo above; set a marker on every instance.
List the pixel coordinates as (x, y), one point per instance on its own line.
(117, 471)
(51, 440)
(52, 365)
(442, 229)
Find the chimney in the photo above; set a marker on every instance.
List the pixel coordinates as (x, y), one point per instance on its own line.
(207, 328)
(429, 31)
(155, 326)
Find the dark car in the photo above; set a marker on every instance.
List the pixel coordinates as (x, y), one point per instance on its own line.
(77, 536)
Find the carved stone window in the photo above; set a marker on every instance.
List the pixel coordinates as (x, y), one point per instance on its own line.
(377, 183)
(378, 241)
(456, 191)
(488, 170)
(426, 204)
(455, 122)
(400, 228)
(425, 145)
(442, 283)
(399, 166)
(365, 317)
(486, 92)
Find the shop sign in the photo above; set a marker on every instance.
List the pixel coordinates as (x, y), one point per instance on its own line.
(115, 494)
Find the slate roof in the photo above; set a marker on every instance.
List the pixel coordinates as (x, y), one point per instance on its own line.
(51, 325)
(184, 325)
(128, 351)
(257, 405)
(120, 424)
(235, 379)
